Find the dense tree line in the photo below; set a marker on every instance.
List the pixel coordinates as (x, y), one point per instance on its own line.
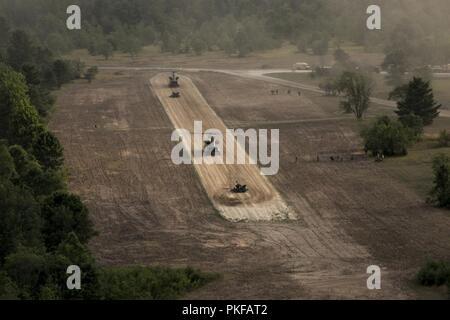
(40, 219)
(44, 228)
(42, 71)
(237, 26)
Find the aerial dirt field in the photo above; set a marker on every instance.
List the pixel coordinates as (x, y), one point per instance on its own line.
(262, 201)
(116, 135)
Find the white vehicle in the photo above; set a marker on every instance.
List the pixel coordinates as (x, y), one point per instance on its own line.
(301, 66)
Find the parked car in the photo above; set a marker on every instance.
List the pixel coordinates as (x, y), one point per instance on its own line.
(301, 66)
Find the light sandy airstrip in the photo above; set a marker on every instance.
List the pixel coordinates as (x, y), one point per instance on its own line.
(262, 201)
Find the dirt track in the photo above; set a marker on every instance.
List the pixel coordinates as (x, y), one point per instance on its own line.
(264, 75)
(262, 201)
(116, 136)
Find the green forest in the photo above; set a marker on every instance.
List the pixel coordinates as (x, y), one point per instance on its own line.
(44, 228)
(237, 27)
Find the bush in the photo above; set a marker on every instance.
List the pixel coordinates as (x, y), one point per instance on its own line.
(63, 213)
(440, 194)
(330, 87)
(47, 149)
(8, 289)
(64, 72)
(77, 68)
(27, 269)
(72, 252)
(434, 274)
(414, 123)
(91, 73)
(341, 57)
(388, 137)
(444, 139)
(149, 283)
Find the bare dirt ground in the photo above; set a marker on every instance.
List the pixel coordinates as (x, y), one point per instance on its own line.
(149, 211)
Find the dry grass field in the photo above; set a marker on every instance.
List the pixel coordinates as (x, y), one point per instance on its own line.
(381, 88)
(116, 134)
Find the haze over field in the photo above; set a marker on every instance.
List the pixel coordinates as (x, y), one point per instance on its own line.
(234, 26)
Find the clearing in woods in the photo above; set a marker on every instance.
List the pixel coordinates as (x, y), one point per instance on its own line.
(262, 201)
(149, 211)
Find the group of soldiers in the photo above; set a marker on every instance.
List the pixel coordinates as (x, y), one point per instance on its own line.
(276, 92)
(379, 157)
(336, 158)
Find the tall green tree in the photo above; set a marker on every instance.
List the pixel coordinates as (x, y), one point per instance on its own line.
(32, 176)
(63, 213)
(396, 64)
(24, 124)
(20, 50)
(47, 149)
(7, 168)
(38, 92)
(4, 35)
(18, 118)
(416, 98)
(242, 43)
(63, 72)
(440, 194)
(19, 222)
(357, 88)
(28, 269)
(75, 253)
